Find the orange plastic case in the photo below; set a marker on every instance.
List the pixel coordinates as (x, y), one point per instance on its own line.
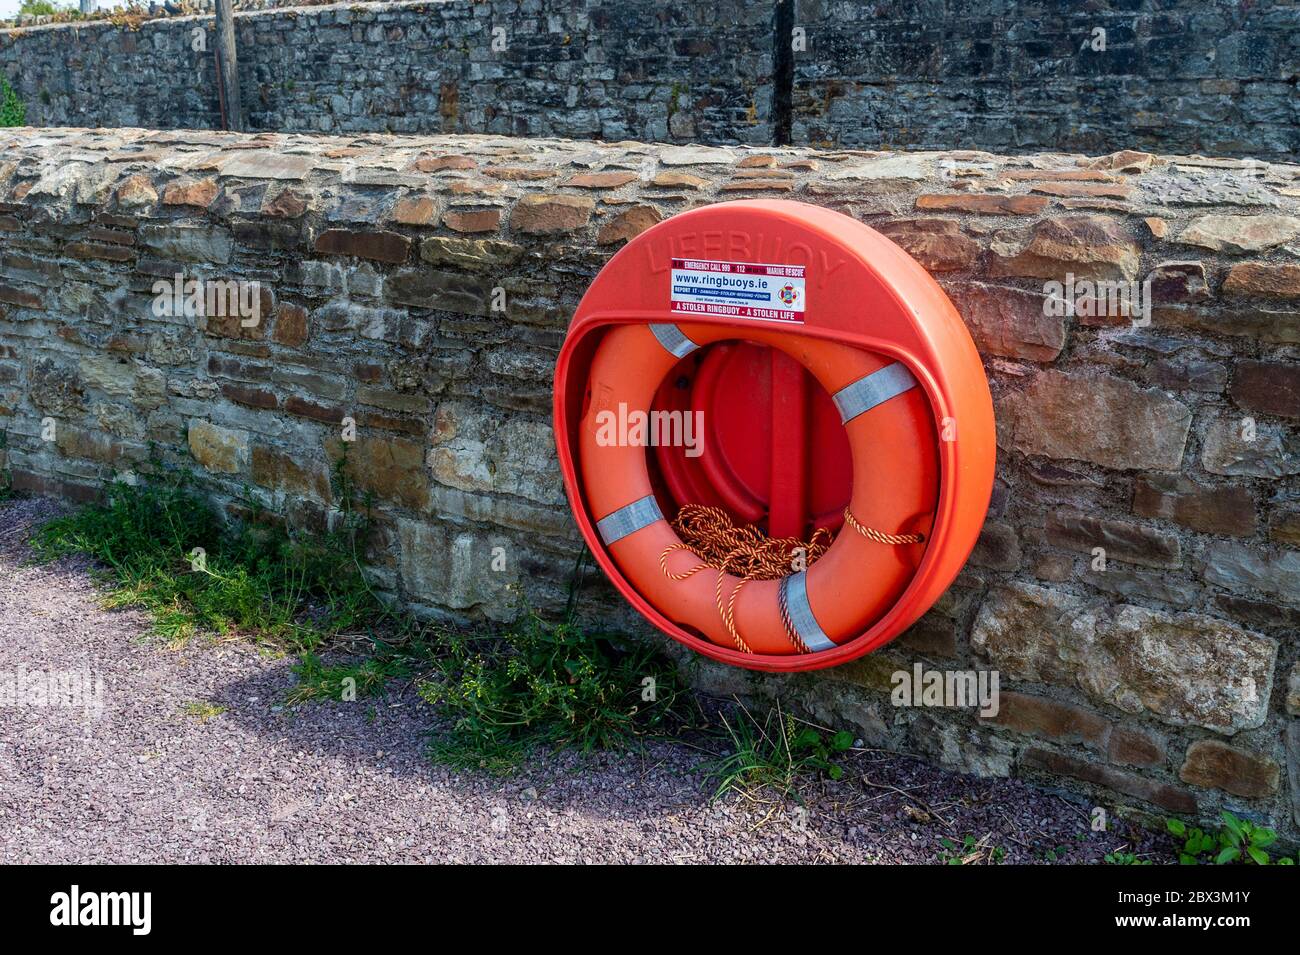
(922, 461)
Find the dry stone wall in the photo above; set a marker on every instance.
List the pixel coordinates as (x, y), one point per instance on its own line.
(1214, 76)
(1210, 76)
(1137, 586)
(591, 69)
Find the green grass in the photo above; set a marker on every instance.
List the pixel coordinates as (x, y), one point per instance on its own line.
(346, 682)
(776, 755)
(167, 553)
(540, 684)
(202, 710)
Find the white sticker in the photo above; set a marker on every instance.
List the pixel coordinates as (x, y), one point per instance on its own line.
(768, 293)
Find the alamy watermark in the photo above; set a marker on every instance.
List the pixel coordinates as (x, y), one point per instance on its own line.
(130, 909)
(1097, 298)
(651, 429)
(179, 297)
(947, 688)
(74, 689)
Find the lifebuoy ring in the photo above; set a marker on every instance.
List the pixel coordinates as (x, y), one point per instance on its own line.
(876, 333)
(895, 485)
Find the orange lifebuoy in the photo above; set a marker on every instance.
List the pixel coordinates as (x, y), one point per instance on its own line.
(895, 484)
(875, 332)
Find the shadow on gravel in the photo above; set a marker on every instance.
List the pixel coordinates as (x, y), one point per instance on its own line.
(365, 763)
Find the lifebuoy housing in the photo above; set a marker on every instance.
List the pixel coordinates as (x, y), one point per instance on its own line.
(900, 383)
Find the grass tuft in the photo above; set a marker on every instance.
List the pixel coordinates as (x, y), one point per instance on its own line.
(167, 553)
(543, 684)
(776, 755)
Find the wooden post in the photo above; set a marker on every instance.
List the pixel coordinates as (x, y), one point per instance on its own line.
(232, 113)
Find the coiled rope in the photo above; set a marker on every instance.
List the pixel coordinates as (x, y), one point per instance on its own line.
(746, 552)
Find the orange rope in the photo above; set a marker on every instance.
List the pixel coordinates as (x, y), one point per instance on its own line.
(878, 536)
(749, 554)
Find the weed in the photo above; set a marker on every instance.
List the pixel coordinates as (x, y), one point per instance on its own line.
(543, 684)
(1239, 841)
(202, 710)
(1056, 854)
(167, 553)
(775, 755)
(12, 110)
(1124, 858)
(344, 682)
(970, 851)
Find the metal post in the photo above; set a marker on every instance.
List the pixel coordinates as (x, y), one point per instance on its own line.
(232, 114)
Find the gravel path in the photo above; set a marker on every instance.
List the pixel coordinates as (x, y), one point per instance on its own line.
(155, 777)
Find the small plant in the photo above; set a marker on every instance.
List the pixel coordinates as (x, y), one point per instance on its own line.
(202, 710)
(12, 110)
(167, 552)
(970, 851)
(538, 684)
(776, 755)
(1124, 858)
(344, 682)
(1056, 854)
(1239, 841)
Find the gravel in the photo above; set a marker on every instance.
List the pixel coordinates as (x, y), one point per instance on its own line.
(193, 757)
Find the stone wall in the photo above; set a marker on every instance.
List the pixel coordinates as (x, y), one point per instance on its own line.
(1210, 76)
(589, 69)
(420, 288)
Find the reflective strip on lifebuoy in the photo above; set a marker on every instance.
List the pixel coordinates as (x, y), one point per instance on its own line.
(671, 337)
(629, 519)
(794, 603)
(869, 391)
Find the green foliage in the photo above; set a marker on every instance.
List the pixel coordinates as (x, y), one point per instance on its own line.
(167, 552)
(1056, 853)
(776, 755)
(543, 684)
(345, 682)
(1124, 858)
(41, 8)
(202, 710)
(12, 110)
(1239, 841)
(970, 851)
